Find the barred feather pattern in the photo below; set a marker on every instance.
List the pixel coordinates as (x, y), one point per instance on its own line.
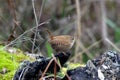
(62, 43)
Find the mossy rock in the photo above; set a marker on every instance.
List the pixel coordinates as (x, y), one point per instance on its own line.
(10, 62)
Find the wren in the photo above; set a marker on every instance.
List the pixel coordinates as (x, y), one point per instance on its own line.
(61, 43)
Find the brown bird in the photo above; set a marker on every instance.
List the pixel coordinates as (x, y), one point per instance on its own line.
(62, 43)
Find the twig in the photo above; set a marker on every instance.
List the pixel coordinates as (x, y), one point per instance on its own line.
(61, 67)
(78, 18)
(91, 46)
(36, 26)
(12, 42)
(113, 45)
(91, 35)
(36, 20)
(84, 49)
(103, 22)
(12, 7)
(46, 68)
(23, 73)
(78, 31)
(41, 9)
(55, 68)
(56, 62)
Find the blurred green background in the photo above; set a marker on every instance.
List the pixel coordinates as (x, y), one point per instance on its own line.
(98, 21)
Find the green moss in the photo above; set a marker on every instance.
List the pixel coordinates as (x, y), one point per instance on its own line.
(7, 76)
(10, 61)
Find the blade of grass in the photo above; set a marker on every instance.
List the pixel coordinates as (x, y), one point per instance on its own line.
(49, 49)
(115, 28)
